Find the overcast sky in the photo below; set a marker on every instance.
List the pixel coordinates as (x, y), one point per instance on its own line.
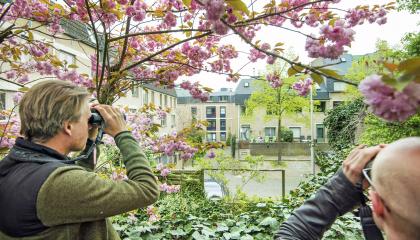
(366, 36)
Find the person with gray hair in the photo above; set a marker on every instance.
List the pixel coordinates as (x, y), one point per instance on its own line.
(43, 194)
(394, 193)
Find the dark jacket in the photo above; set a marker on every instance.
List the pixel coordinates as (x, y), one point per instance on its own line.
(50, 200)
(317, 214)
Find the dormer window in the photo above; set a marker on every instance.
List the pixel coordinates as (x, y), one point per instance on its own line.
(246, 84)
(343, 59)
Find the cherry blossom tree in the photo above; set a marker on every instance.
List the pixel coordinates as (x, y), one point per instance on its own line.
(158, 42)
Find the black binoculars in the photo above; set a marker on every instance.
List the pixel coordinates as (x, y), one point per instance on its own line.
(95, 117)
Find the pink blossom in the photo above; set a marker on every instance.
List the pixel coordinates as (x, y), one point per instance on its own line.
(303, 86)
(211, 155)
(170, 20)
(386, 102)
(118, 176)
(159, 167)
(220, 28)
(11, 74)
(23, 79)
(274, 80)
(215, 9)
(165, 172)
(17, 97)
(271, 60)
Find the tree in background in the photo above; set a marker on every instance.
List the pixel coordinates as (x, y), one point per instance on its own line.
(278, 99)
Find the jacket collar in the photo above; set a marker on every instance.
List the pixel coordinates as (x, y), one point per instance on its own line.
(37, 148)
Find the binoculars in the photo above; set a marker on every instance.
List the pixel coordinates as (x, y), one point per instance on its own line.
(95, 118)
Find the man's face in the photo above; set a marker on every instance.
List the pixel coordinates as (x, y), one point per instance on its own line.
(80, 129)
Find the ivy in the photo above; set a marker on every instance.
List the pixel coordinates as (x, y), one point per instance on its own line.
(342, 122)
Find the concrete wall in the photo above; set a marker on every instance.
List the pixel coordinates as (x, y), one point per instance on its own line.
(288, 149)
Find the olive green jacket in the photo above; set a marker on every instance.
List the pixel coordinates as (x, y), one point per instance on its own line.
(75, 203)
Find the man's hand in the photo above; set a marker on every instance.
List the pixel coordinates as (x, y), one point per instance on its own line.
(114, 121)
(357, 160)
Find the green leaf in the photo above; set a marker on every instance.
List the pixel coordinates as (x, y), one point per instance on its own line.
(294, 69)
(331, 73)
(317, 78)
(187, 2)
(268, 221)
(23, 89)
(72, 66)
(238, 5)
(30, 36)
(410, 65)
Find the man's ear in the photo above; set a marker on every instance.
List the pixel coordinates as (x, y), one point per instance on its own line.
(67, 128)
(377, 203)
(378, 208)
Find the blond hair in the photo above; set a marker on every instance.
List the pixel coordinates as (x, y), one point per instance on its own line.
(47, 105)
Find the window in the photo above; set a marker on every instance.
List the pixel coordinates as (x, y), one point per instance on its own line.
(243, 109)
(163, 121)
(211, 137)
(223, 98)
(222, 136)
(134, 91)
(2, 101)
(270, 131)
(213, 99)
(245, 132)
(160, 100)
(166, 100)
(173, 120)
(145, 97)
(210, 112)
(320, 107)
(212, 125)
(223, 124)
(269, 111)
(66, 58)
(174, 106)
(337, 103)
(91, 35)
(222, 112)
(320, 132)
(194, 112)
(246, 84)
(132, 110)
(339, 87)
(296, 132)
(153, 97)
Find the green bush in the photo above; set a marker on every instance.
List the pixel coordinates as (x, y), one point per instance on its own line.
(378, 131)
(286, 135)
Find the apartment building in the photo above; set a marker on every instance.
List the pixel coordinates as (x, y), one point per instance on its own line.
(220, 111)
(328, 95)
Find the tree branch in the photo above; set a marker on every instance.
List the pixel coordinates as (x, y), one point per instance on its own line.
(163, 50)
(312, 69)
(155, 32)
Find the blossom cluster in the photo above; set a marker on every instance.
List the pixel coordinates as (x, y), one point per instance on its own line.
(169, 188)
(195, 90)
(274, 80)
(215, 10)
(303, 86)
(152, 213)
(387, 102)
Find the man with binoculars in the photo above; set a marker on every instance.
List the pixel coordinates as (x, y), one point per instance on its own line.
(394, 192)
(43, 195)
